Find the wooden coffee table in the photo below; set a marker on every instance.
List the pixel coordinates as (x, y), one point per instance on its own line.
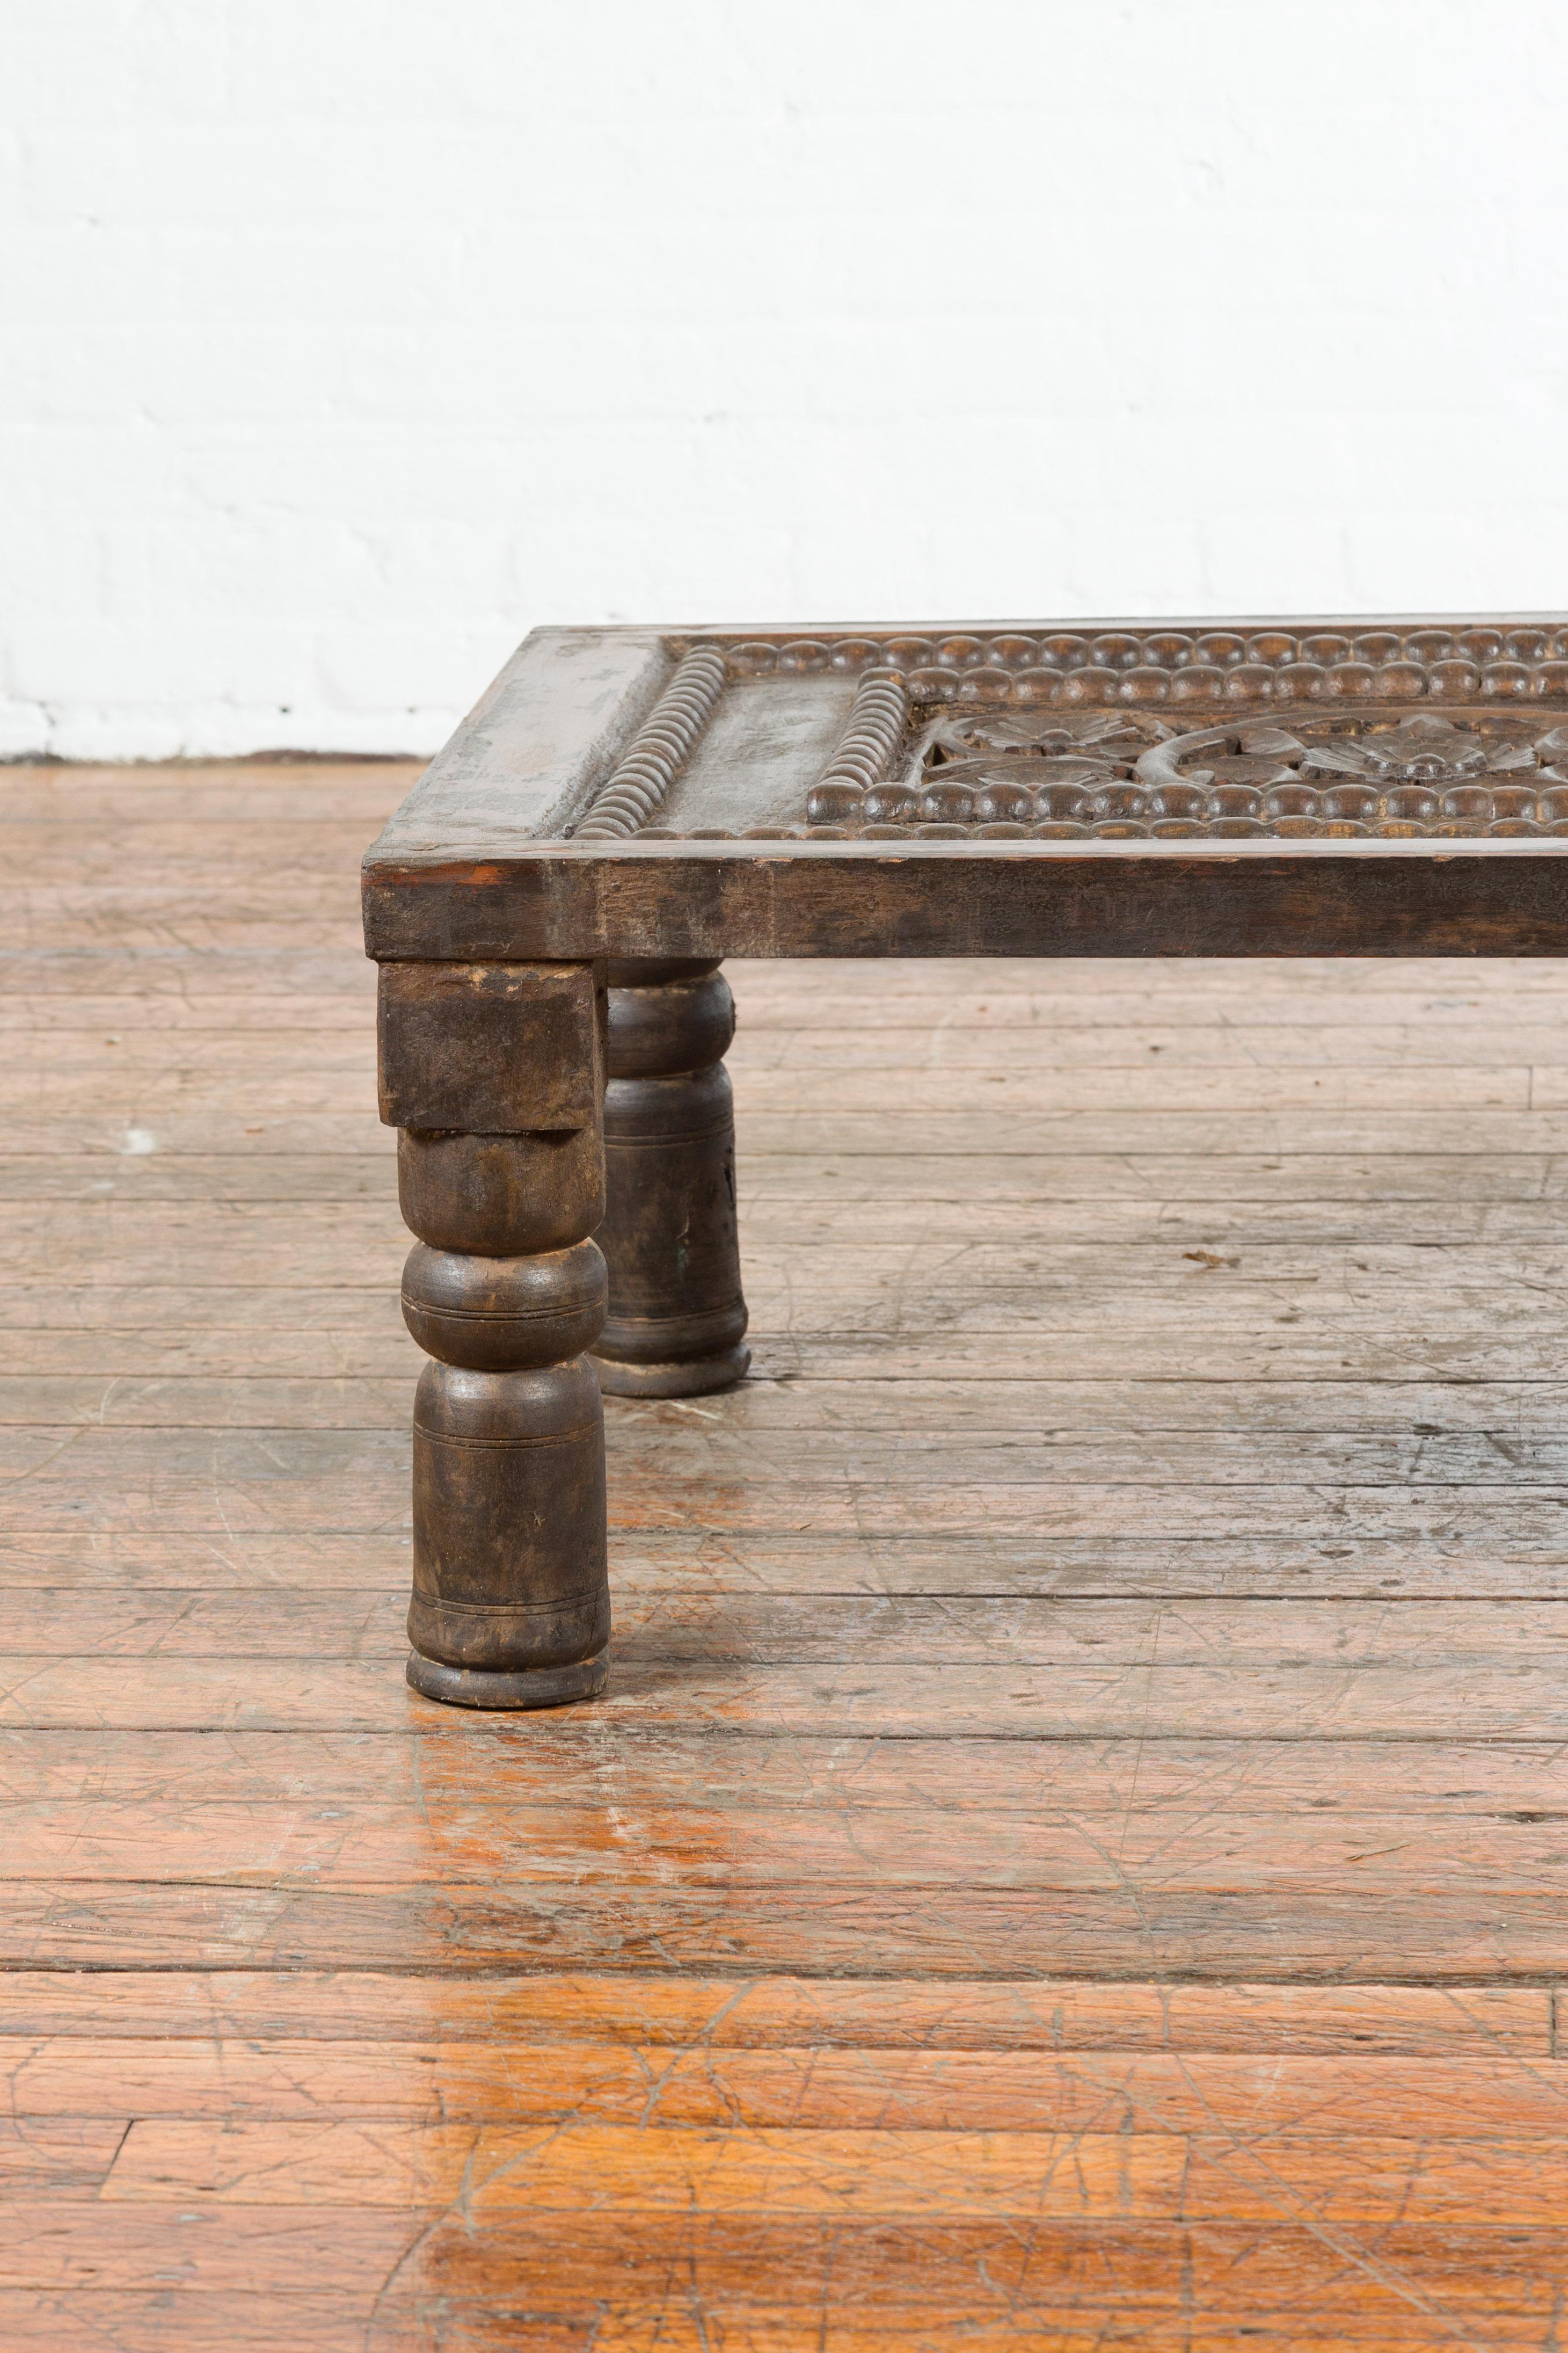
(625, 807)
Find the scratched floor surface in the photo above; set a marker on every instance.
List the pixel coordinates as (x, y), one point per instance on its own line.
(1076, 1851)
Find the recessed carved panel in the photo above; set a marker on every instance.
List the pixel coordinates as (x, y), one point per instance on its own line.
(1292, 730)
(1367, 771)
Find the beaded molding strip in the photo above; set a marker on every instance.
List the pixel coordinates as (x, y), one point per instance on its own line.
(877, 718)
(1160, 666)
(657, 752)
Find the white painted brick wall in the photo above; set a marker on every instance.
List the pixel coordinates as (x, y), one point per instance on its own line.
(346, 339)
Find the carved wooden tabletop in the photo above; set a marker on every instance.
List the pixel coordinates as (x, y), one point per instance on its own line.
(1380, 786)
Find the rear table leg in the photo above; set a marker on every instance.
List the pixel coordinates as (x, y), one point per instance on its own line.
(677, 1315)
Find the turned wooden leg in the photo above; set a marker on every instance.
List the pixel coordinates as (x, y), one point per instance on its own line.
(493, 1073)
(677, 1314)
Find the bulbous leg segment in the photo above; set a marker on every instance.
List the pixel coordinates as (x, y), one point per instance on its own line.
(512, 1597)
(512, 1600)
(677, 1314)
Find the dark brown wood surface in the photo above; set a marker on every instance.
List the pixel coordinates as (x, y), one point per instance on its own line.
(953, 899)
(676, 1314)
(1074, 1848)
(1394, 786)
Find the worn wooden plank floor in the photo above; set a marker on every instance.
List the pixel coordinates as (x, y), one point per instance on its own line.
(1076, 1850)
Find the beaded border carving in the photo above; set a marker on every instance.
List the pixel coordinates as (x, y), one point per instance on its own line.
(1162, 665)
(1103, 699)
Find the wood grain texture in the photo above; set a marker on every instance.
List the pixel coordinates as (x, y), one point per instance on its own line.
(365, 2005)
(1366, 2178)
(858, 898)
(310, 2079)
(1445, 1781)
(1074, 1850)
